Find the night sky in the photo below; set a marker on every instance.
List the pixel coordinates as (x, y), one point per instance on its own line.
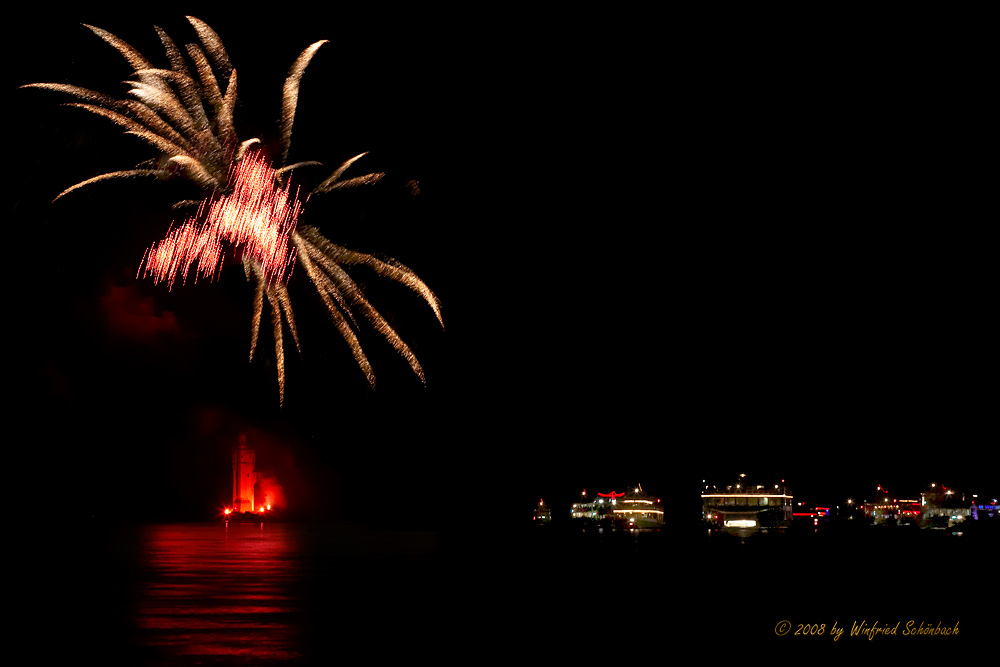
(707, 247)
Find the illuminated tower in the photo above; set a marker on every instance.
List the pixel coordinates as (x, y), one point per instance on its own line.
(244, 477)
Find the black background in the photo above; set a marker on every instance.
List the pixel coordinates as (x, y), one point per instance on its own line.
(727, 244)
(667, 250)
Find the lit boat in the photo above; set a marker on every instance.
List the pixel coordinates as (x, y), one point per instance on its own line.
(747, 508)
(632, 510)
(638, 510)
(543, 515)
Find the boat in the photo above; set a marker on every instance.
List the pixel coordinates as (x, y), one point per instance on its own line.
(543, 515)
(743, 509)
(630, 510)
(639, 510)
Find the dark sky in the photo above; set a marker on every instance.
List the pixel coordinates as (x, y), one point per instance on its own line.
(665, 254)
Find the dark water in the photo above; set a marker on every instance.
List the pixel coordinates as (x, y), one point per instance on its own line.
(186, 594)
(224, 594)
(205, 594)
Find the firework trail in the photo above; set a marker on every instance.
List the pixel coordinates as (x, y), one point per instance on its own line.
(186, 113)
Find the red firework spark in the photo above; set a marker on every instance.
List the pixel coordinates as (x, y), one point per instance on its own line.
(257, 216)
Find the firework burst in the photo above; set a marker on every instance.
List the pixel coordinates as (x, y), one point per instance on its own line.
(186, 113)
(255, 216)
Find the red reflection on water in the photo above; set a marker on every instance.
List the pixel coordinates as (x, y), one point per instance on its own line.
(213, 590)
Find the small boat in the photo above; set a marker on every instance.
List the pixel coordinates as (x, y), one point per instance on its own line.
(543, 514)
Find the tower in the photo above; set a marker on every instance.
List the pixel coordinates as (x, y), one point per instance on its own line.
(244, 476)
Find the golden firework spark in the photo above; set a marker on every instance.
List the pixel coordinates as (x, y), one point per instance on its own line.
(186, 113)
